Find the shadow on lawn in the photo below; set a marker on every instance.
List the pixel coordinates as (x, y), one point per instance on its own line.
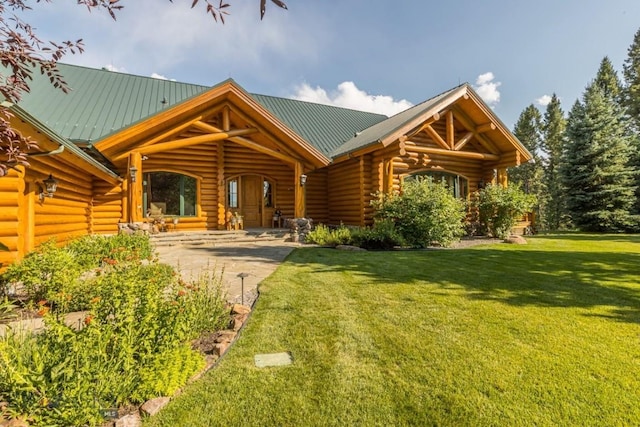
(515, 276)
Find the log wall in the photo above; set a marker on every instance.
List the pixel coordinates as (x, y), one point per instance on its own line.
(345, 192)
(317, 196)
(11, 202)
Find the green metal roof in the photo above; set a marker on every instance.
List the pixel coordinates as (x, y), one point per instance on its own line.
(377, 132)
(100, 101)
(324, 126)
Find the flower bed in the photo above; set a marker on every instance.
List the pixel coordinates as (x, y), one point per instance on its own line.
(134, 343)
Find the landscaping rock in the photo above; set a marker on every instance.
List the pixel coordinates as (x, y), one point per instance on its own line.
(131, 420)
(516, 240)
(240, 309)
(349, 248)
(153, 406)
(220, 348)
(224, 336)
(237, 321)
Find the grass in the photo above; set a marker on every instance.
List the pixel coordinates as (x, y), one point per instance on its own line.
(543, 334)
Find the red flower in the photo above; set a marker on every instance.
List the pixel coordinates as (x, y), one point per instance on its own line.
(88, 320)
(43, 311)
(181, 292)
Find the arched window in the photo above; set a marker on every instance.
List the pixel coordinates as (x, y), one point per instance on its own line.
(458, 184)
(171, 193)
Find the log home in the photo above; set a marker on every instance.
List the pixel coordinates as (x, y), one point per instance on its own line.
(122, 147)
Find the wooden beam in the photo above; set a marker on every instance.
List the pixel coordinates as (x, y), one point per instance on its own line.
(486, 127)
(226, 118)
(463, 141)
(164, 135)
(196, 140)
(451, 133)
(436, 137)
(434, 118)
(248, 143)
(467, 123)
(465, 154)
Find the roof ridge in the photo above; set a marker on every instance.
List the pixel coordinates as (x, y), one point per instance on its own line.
(320, 103)
(129, 74)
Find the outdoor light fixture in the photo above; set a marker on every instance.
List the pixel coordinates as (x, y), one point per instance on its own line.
(50, 187)
(303, 180)
(134, 172)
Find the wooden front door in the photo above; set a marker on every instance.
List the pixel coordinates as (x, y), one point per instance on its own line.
(251, 200)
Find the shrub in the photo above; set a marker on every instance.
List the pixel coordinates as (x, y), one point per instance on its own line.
(325, 236)
(49, 273)
(424, 213)
(134, 343)
(382, 236)
(93, 250)
(500, 208)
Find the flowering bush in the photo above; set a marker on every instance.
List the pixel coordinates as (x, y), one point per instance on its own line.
(132, 344)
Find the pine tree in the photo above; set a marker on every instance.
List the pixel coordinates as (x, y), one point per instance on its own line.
(555, 215)
(607, 79)
(596, 171)
(631, 73)
(631, 99)
(530, 175)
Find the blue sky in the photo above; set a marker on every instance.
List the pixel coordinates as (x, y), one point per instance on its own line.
(366, 54)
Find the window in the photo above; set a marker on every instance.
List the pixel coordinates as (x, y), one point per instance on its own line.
(267, 194)
(232, 193)
(459, 185)
(174, 193)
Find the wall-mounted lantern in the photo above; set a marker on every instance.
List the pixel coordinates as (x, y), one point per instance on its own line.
(50, 187)
(303, 180)
(133, 171)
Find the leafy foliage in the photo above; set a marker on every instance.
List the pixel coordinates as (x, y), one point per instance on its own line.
(326, 236)
(56, 274)
(382, 236)
(425, 212)
(134, 342)
(500, 208)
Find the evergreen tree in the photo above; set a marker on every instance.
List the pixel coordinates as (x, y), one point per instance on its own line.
(530, 175)
(631, 73)
(607, 80)
(555, 215)
(631, 99)
(596, 171)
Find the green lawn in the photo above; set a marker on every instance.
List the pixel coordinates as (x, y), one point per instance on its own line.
(543, 334)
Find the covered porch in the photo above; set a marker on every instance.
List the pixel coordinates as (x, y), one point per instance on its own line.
(220, 158)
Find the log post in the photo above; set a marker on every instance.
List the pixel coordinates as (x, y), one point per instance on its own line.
(299, 191)
(135, 187)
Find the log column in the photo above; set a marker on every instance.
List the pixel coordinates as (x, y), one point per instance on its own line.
(135, 187)
(299, 192)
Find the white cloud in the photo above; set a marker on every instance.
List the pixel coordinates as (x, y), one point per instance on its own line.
(161, 77)
(487, 88)
(348, 95)
(544, 100)
(111, 67)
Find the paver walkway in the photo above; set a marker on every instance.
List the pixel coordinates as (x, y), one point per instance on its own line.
(256, 259)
